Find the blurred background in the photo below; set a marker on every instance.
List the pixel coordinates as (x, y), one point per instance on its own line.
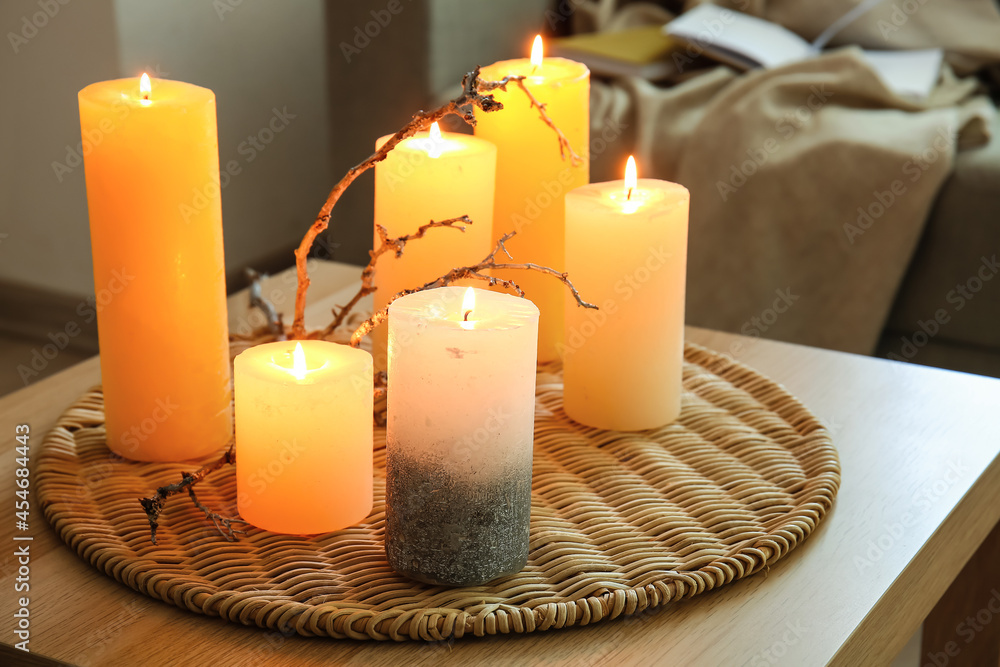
(776, 259)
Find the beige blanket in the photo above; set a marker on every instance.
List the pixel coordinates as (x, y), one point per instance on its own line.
(810, 183)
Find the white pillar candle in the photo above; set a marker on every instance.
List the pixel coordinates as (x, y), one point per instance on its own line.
(626, 252)
(460, 434)
(303, 436)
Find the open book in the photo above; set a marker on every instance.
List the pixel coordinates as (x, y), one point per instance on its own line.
(746, 42)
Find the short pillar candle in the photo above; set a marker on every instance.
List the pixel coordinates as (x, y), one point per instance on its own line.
(626, 251)
(459, 435)
(303, 436)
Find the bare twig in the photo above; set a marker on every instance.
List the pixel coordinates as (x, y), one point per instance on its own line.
(381, 389)
(154, 505)
(564, 145)
(475, 94)
(386, 244)
(474, 272)
(220, 521)
(273, 317)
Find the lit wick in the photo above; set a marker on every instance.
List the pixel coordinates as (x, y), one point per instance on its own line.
(468, 305)
(631, 177)
(144, 87)
(536, 53)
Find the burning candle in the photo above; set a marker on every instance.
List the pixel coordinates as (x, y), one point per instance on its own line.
(303, 436)
(532, 177)
(459, 434)
(431, 176)
(626, 250)
(149, 147)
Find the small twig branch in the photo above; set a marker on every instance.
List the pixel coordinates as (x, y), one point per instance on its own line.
(381, 390)
(273, 317)
(474, 272)
(396, 246)
(475, 94)
(154, 505)
(222, 524)
(564, 146)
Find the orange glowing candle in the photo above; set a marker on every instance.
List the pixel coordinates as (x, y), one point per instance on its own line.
(626, 249)
(533, 178)
(148, 148)
(304, 436)
(431, 176)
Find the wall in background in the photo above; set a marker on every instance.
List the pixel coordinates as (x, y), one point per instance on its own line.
(266, 63)
(461, 39)
(44, 238)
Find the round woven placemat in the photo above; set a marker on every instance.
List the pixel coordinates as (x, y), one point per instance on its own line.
(620, 522)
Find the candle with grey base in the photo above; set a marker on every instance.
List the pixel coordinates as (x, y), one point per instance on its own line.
(459, 435)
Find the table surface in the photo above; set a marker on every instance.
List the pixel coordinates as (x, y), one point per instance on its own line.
(920, 451)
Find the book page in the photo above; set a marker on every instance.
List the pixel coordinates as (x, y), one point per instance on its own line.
(739, 38)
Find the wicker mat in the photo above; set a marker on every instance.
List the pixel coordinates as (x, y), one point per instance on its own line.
(620, 522)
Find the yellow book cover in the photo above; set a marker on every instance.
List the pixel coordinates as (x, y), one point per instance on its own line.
(643, 51)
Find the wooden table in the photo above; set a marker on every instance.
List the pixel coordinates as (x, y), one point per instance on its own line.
(920, 450)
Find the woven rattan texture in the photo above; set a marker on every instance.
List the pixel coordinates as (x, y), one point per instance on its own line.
(620, 522)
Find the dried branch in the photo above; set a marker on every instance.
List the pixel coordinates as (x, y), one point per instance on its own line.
(475, 94)
(386, 244)
(274, 324)
(381, 390)
(154, 506)
(564, 145)
(229, 532)
(474, 272)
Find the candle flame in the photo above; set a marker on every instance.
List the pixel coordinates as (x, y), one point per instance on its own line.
(631, 177)
(435, 141)
(299, 362)
(468, 305)
(145, 87)
(536, 52)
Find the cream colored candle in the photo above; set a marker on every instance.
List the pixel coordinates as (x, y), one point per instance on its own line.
(303, 436)
(532, 178)
(459, 435)
(626, 251)
(431, 176)
(163, 333)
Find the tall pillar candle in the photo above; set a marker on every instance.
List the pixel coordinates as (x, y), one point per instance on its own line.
(152, 167)
(304, 436)
(533, 178)
(459, 435)
(431, 176)
(626, 251)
